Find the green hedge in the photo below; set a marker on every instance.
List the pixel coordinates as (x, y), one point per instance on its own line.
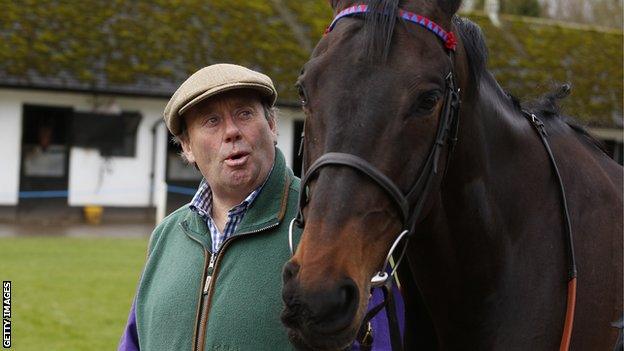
(128, 41)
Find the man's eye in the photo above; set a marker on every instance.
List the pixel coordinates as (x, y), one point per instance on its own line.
(211, 121)
(245, 114)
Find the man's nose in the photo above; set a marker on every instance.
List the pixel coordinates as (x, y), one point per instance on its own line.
(232, 132)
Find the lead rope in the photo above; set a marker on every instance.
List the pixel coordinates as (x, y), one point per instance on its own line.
(572, 272)
(364, 334)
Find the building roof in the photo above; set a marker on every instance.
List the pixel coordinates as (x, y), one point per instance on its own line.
(147, 48)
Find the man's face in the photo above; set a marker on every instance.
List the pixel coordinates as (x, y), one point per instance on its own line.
(231, 141)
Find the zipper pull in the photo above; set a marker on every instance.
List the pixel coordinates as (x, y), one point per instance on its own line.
(213, 258)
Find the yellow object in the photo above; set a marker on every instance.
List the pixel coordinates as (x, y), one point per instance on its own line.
(93, 214)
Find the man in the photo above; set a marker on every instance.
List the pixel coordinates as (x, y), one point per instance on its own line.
(212, 279)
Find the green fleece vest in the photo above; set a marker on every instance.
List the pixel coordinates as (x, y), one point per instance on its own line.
(245, 302)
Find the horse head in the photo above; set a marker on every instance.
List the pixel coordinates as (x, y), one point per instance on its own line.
(377, 89)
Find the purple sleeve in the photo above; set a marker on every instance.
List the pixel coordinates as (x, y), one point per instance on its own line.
(130, 339)
(379, 323)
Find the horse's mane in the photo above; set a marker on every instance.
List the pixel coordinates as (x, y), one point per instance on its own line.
(473, 42)
(547, 108)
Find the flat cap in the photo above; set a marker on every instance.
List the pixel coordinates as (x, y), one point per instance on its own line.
(210, 81)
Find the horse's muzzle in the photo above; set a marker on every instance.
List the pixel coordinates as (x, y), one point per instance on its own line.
(320, 318)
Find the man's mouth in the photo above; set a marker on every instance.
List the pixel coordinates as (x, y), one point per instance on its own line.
(237, 159)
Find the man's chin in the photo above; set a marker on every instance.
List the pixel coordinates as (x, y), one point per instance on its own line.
(239, 179)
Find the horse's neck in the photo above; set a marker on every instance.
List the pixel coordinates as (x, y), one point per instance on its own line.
(487, 235)
(500, 166)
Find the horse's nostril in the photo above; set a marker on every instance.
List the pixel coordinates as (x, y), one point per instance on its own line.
(347, 296)
(290, 270)
(335, 309)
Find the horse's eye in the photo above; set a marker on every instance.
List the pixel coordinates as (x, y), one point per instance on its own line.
(429, 101)
(425, 104)
(303, 98)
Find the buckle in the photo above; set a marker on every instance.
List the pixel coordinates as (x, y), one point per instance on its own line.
(367, 339)
(538, 124)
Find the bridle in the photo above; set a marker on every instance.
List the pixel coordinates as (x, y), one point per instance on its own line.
(446, 135)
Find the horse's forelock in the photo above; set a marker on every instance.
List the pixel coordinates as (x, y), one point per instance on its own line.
(379, 28)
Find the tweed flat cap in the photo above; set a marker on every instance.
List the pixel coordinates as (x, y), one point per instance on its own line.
(210, 81)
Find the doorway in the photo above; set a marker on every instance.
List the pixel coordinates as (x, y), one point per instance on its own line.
(44, 164)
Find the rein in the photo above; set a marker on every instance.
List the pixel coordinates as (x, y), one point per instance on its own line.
(417, 194)
(538, 125)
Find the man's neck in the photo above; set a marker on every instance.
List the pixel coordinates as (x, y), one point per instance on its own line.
(224, 202)
(219, 211)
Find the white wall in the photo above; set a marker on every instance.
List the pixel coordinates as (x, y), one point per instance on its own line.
(10, 148)
(116, 181)
(119, 181)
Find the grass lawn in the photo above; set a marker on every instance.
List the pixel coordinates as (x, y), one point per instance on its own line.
(70, 293)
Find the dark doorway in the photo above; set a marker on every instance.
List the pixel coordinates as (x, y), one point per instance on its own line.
(297, 159)
(44, 160)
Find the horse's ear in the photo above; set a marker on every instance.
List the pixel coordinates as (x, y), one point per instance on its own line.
(449, 6)
(333, 3)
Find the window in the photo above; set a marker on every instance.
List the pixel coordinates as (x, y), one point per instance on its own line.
(111, 134)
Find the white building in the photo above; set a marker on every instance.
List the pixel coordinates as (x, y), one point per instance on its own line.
(63, 150)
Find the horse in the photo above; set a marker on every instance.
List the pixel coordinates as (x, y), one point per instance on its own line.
(488, 261)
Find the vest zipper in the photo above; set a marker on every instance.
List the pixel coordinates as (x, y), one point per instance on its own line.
(208, 288)
(202, 316)
(209, 273)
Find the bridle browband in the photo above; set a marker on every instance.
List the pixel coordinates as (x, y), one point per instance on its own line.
(447, 37)
(446, 134)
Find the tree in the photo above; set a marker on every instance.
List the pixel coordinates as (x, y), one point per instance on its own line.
(605, 13)
(512, 7)
(521, 7)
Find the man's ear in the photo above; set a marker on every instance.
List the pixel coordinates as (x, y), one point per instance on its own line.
(187, 151)
(273, 125)
(450, 7)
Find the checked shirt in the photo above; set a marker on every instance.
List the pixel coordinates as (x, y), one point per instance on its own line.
(202, 205)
